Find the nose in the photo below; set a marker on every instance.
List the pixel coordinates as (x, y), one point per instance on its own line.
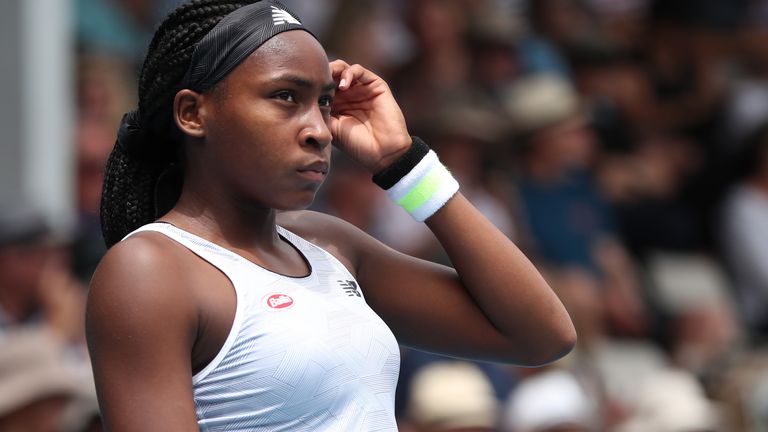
(316, 132)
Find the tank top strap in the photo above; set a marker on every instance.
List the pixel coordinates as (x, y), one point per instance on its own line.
(321, 259)
(218, 256)
(323, 265)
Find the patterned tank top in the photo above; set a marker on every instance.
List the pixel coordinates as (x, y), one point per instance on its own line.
(303, 353)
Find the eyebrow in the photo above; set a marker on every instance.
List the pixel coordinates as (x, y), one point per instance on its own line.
(303, 82)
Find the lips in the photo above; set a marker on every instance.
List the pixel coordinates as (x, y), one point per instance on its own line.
(315, 171)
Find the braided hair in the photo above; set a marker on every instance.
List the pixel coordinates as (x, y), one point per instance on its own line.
(134, 191)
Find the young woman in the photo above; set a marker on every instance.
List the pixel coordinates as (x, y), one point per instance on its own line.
(228, 308)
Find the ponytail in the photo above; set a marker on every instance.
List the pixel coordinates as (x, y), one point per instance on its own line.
(128, 195)
(148, 140)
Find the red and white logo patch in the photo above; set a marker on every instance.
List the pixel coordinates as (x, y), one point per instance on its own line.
(277, 301)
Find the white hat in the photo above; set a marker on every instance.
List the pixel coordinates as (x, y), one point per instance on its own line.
(33, 367)
(549, 399)
(452, 394)
(538, 101)
(684, 282)
(671, 401)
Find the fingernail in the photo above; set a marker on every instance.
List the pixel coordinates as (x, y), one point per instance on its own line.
(343, 82)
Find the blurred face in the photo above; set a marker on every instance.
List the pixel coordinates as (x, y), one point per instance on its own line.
(496, 65)
(266, 125)
(94, 142)
(571, 143)
(23, 267)
(438, 22)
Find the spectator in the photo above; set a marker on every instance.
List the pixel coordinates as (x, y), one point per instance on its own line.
(745, 233)
(568, 222)
(104, 93)
(36, 285)
(368, 32)
(672, 401)
(452, 396)
(647, 188)
(550, 401)
(441, 63)
(94, 142)
(39, 390)
(115, 27)
(694, 297)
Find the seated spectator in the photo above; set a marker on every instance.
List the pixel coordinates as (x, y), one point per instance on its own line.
(649, 187)
(451, 396)
(672, 401)
(567, 221)
(694, 296)
(550, 401)
(441, 62)
(39, 390)
(562, 208)
(36, 284)
(105, 91)
(742, 393)
(745, 233)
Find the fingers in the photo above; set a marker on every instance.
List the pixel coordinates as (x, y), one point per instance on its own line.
(346, 75)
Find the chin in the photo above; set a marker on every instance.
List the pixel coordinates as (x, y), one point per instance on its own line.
(297, 204)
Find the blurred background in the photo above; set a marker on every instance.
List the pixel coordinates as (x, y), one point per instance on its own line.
(623, 144)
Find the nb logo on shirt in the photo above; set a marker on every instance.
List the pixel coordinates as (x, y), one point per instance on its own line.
(350, 287)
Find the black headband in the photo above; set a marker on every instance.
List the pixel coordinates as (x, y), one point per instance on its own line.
(233, 39)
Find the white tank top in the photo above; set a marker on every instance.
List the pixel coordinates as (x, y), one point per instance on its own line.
(303, 353)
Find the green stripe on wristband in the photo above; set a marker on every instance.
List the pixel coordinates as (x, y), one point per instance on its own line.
(423, 191)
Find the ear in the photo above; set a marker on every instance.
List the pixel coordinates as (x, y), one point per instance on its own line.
(188, 112)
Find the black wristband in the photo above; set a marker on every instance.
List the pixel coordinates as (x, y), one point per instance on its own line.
(402, 166)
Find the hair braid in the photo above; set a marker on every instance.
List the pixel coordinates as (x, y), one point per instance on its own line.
(130, 196)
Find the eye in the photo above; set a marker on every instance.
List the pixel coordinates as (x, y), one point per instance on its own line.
(325, 101)
(285, 95)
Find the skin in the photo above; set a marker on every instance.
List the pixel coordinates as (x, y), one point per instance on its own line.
(157, 313)
(43, 415)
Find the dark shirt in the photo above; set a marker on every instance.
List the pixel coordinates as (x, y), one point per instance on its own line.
(565, 219)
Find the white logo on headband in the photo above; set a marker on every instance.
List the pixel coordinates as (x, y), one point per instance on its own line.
(280, 16)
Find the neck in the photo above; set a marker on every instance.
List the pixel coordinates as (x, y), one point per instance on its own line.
(225, 220)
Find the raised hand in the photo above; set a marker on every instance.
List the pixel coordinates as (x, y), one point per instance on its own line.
(366, 121)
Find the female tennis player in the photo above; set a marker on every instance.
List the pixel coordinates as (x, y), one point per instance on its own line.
(221, 304)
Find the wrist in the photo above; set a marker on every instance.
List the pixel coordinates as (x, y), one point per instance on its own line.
(388, 160)
(397, 168)
(417, 181)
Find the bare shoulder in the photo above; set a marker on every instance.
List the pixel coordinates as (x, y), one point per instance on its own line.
(145, 258)
(337, 236)
(141, 326)
(314, 226)
(139, 283)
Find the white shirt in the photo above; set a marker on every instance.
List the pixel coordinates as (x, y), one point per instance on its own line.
(303, 353)
(745, 237)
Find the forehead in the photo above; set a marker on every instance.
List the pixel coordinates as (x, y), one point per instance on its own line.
(292, 51)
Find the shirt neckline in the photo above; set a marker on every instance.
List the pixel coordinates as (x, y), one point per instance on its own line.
(241, 258)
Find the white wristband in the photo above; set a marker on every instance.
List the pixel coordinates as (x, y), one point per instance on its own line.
(425, 189)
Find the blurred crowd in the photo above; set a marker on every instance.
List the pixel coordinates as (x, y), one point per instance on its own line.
(622, 144)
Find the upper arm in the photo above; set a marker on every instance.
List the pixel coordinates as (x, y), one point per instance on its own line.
(424, 303)
(140, 327)
(427, 306)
